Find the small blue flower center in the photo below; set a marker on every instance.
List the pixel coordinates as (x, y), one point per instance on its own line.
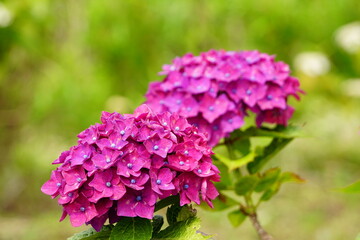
(166, 162)
(177, 128)
(156, 147)
(269, 97)
(108, 184)
(199, 171)
(79, 179)
(230, 120)
(129, 165)
(186, 152)
(133, 181)
(215, 128)
(94, 138)
(158, 182)
(82, 209)
(85, 156)
(211, 108)
(186, 186)
(233, 90)
(248, 92)
(70, 194)
(178, 102)
(165, 124)
(113, 145)
(58, 184)
(181, 163)
(189, 109)
(227, 75)
(108, 160)
(138, 198)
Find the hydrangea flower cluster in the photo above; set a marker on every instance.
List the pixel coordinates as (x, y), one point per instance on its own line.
(122, 166)
(215, 90)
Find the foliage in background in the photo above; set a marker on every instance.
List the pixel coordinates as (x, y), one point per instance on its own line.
(62, 62)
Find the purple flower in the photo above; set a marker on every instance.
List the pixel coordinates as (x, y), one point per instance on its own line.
(122, 166)
(188, 185)
(52, 186)
(209, 88)
(158, 146)
(137, 203)
(161, 180)
(136, 183)
(107, 185)
(80, 211)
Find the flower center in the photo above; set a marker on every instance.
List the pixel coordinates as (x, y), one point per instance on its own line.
(79, 179)
(199, 171)
(129, 165)
(156, 147)
(133, 181)
(158, 182)
(85, 156)
(248, 92)
(186, 186)
(113, 145)
(269, 97)
(58, 184)
(186, 152)
(211, 108)
(122, 132)
(177, 128)
(82, 209)
(181, 163)
(138, 198)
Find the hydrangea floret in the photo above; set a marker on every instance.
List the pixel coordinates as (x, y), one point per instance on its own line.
(215, 90)
(125, 164)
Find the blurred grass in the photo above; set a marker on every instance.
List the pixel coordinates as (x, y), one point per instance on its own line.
(63, 62)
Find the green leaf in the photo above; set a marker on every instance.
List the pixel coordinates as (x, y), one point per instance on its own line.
(291, 177)
(236, 218)
(269, 152)
(172, 212)
(239, 148)
(129, 228)
(268, 194)
(220, 203)
(91, 234)
(183, 230)
(234, 164)
(157, 223)
(226, 178)
(268, 179)
(167, 202)
(246, 184)
(284, 177)
(185, 213)
(352, 188)
(277, 132)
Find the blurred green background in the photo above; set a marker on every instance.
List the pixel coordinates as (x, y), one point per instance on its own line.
(63, 62)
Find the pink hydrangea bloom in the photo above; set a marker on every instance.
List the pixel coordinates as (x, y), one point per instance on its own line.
(217, 89)
(122, 166)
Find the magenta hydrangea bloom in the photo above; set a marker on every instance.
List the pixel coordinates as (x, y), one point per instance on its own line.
(122, 166)
(215, 90)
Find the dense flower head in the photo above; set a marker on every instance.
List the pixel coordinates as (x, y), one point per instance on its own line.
(215, 90)
(122, 166)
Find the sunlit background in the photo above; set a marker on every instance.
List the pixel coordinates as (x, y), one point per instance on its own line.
(62, 62)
